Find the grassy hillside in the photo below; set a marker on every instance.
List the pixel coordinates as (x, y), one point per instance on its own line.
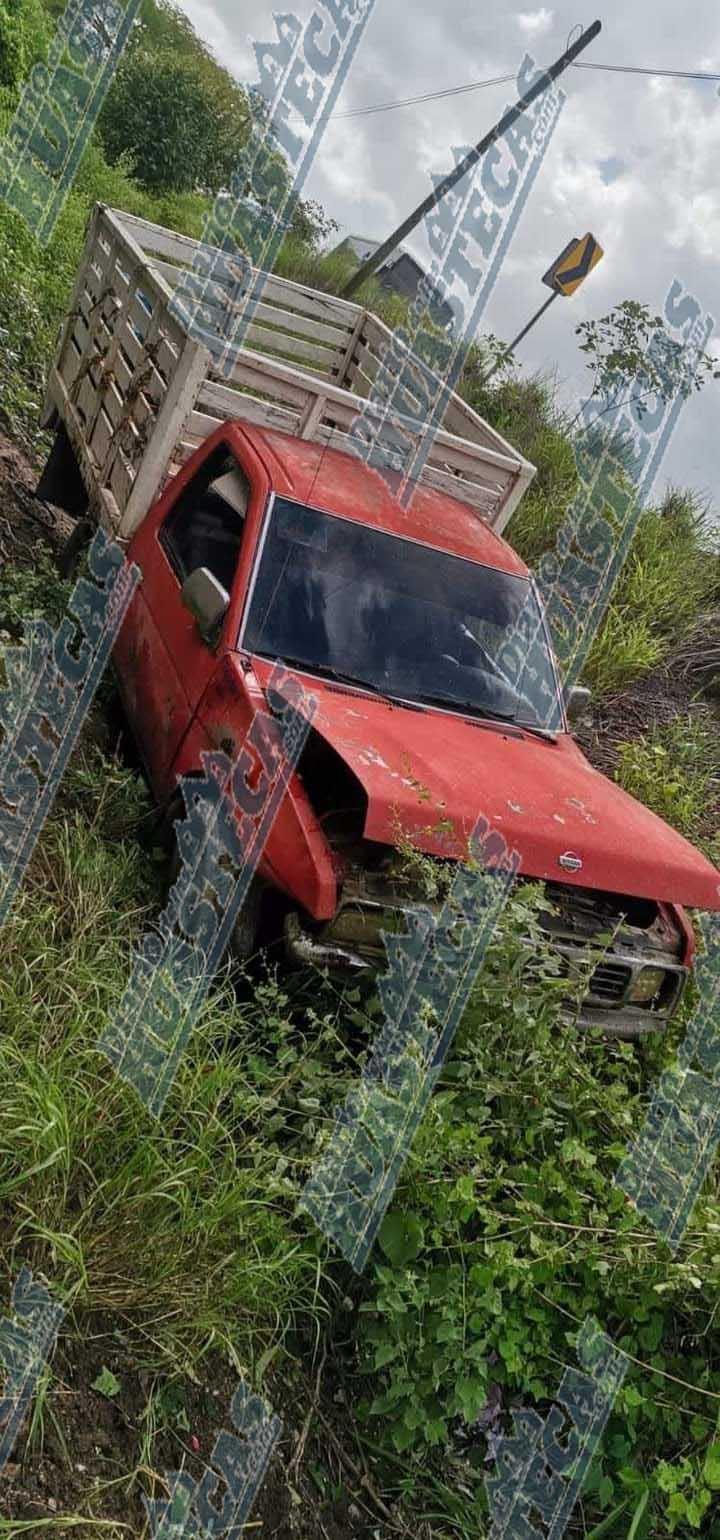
(178, 1249)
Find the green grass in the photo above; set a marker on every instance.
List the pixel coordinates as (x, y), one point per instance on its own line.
(674, 771)
(185, 1225)
(114, 1204)
(186, 1231)
(669, 578)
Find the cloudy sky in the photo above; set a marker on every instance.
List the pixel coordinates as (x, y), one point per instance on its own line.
(634, 159)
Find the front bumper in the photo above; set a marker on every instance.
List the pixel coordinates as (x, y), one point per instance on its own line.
(351, 943)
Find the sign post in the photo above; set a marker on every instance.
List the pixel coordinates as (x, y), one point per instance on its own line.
(564, 276)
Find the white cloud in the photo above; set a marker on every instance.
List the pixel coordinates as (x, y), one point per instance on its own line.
(535, 23)
(657, 220)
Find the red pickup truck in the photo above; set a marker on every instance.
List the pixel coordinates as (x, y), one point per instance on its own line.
(269, 545)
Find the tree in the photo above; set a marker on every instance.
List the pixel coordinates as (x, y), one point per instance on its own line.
(179, 122)
(311, 225)
(630, 353)
(23, 39)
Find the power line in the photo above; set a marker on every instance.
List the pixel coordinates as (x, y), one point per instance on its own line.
(426, 96)
(634, 69)
(501, 80)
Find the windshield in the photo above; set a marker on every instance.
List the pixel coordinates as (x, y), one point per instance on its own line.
(402, 618)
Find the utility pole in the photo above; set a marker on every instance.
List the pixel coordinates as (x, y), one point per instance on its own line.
(470, 160)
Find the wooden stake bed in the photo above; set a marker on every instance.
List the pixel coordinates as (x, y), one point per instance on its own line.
(137, 394)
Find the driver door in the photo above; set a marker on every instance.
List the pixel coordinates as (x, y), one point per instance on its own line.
(162, 661)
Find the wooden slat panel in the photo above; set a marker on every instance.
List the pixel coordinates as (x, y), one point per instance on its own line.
(113, 403)
(366, 358)
(269, 342)
(220, 402)
(180, 400)
(102, 500)
(101, 439)
(264, 414)
(358, 381)
(255, 374)
(289, 336)
(318, 357)
(277, 314)
(138, 318)
(73, 355)
(181, 248)
(302, 325)
(154, 387)
(376, 336)
(155, 238)
(165, 358)
(121, 481)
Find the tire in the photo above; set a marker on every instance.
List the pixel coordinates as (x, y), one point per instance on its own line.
(71, 555)
(244, 942)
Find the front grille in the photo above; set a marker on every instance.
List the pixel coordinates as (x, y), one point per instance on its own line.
(625, 935)
(610, 982)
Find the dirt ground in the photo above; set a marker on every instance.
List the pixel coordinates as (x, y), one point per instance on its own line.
(91, 1442)
(648, 703)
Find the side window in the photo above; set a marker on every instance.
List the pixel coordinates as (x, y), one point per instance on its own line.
(205, 526)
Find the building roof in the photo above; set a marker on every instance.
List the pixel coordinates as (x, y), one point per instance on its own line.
(363, 248)
(360, 246)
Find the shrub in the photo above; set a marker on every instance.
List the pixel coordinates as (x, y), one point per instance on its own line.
(23, 39)
(506, 1231)
(165, 114)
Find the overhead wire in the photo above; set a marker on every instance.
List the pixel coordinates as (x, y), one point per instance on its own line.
(425, 96)
(500, 80)
(635, 69)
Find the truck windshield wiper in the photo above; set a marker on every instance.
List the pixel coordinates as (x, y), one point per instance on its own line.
(325, 671)
(486, 711)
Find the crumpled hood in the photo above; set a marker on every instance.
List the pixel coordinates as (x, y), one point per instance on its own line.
(425, 770)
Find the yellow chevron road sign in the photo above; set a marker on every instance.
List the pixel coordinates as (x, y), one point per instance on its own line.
(574, 263)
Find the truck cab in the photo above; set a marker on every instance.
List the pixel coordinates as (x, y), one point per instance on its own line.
(261, 534)
(399, 620)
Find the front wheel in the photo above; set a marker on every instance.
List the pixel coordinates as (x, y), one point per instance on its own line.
(244, 939)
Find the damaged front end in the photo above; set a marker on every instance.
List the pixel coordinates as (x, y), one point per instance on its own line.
(374, 900)
(625, 958)
(636, 985)
(632, 953)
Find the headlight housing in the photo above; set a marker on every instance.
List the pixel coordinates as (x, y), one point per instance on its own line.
(646, 984)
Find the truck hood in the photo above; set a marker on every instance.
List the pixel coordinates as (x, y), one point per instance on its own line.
(431, 774)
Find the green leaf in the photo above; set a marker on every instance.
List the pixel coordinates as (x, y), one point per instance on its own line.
(697, 1507)
(607, 1525)
(711, 1468)
(605, 1491)
(471, 1395)
(107, 1383)
(401, 1236)
(384, 1353)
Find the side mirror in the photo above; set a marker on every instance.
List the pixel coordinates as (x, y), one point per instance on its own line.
(577, 700)
(207, 601)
